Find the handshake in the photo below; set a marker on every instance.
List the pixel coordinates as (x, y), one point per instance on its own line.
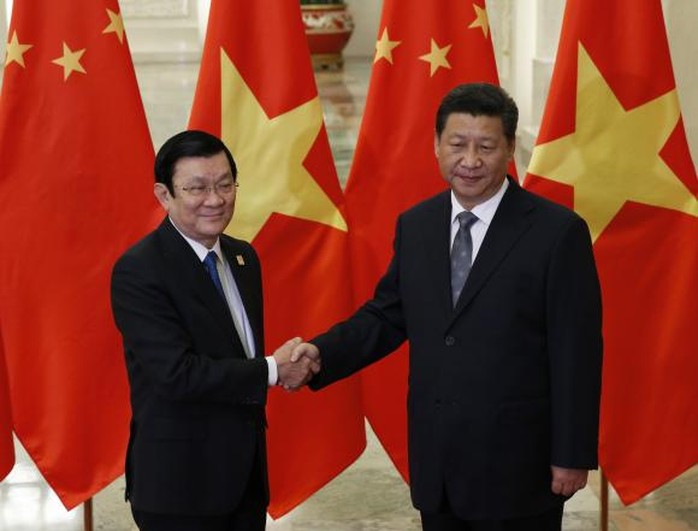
(297, 363)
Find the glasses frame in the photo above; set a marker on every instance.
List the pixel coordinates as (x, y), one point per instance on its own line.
(206, 190)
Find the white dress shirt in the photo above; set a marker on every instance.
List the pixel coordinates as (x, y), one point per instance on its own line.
(484, 212)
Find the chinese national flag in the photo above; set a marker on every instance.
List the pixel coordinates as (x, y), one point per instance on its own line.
(612, 146)
(76, 182)
(257, 92)
(424, 49)
(7, 451)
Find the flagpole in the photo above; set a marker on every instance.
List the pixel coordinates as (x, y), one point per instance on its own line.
(603, 521)
(87, 512)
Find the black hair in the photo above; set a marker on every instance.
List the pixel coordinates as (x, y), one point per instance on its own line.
(188, 144)
(478, 99)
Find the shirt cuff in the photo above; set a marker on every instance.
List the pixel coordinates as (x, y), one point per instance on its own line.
(273, 378)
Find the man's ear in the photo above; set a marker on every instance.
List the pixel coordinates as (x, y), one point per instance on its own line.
(162, 194)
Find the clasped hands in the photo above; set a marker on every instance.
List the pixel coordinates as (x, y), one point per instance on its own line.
(297, 363)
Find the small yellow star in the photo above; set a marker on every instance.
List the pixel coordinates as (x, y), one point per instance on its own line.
(274, 150)
(15, 51)
(481, 20)
(384, 47)
(70, 61)
(436, 57)
(613, 156)
(116, 25)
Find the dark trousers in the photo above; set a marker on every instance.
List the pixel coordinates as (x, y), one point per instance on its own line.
(446, 521)
(249, 515)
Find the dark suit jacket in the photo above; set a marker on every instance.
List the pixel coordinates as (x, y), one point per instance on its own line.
(506, 384)
(197, 402)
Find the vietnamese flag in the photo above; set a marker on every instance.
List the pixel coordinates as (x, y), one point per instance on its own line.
(424, 49)
(612, 146)
(76, 184)
(7, 450)
(256, 91)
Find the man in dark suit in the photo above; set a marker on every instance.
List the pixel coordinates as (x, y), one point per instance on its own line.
(188, 302)
(503, 315)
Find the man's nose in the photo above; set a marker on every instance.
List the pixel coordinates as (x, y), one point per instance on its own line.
(470, 158)
(213, 197)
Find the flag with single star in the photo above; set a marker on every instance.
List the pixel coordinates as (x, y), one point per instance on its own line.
(423, 50)
(7, 451)
(76, 184)
(612, 146)
(256, 90)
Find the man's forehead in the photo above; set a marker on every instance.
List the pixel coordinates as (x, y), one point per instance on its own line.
(203, 167)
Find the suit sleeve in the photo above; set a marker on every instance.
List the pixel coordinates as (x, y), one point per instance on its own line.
(161, 350)
(575, 348)
(374, 331)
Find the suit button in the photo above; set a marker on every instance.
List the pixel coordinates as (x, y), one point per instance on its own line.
(450, 341)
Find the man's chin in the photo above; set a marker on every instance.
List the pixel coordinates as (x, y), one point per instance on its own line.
(214, 228)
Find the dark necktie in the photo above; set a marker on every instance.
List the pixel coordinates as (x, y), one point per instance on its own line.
(461, 254)
(210, 265)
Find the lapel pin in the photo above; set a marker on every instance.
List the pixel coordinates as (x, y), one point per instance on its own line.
(240, 259)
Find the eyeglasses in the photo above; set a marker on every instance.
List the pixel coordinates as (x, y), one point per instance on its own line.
(223, 188)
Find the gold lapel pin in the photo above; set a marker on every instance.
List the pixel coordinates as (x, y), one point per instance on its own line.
(240, 259)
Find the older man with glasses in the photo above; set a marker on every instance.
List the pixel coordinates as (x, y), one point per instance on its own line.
(188, 302)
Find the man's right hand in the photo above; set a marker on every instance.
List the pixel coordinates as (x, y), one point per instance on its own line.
(296, 368)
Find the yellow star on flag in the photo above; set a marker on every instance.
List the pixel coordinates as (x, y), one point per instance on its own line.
(116, 25)
(481, 20)
(613, 154)
(384, 47)
(270, 154)
(16, 51)
(436, 57)
(70, 61)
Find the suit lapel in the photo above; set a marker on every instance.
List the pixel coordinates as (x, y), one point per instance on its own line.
(190, 274)
(438, 252)
(247, 286)
(510, 222)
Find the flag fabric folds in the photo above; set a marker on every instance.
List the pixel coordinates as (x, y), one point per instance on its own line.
(256, 91)
(76, 181)
(7, 451)
(423, 50)
(612, 146)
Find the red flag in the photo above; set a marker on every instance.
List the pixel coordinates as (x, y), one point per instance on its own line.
(612, 145)
(424, 49)
(7, 450)
(76, 178)
(256, 90)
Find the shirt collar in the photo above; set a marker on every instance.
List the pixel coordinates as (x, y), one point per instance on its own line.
(484, 211)
(200, 249)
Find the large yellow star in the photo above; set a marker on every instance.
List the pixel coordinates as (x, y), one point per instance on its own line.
(436, 57)
(613, 155)
(384, 47)
(116, 25)
(481, 20)
(270, 152)
(15, 51)
(70, 61)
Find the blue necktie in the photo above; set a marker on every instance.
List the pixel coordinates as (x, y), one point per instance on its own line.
(210, 265)
(461, 254)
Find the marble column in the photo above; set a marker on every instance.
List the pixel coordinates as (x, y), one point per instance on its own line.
(162, 31)
(681, 17)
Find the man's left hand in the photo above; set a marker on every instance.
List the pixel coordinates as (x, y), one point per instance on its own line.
(567, 481)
